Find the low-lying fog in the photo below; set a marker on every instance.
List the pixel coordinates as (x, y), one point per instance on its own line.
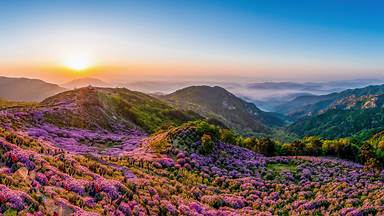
(266, 95)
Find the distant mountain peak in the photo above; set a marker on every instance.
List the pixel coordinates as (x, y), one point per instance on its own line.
(215, 102)
(84, 82)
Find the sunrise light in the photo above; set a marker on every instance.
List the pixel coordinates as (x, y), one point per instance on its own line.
(77, 63)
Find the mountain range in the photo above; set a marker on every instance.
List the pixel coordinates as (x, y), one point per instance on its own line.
(304, 115)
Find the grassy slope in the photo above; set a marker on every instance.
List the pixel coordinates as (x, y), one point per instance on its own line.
(106, 108)
(8, 104)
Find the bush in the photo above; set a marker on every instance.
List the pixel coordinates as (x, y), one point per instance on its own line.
(295, 148)
(266, 147)
(366, 153)
(207, 144)
(228, 136)
(313, 145)
(367, 156)
(203, 127)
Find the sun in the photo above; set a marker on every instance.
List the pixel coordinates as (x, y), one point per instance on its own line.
(77, 63)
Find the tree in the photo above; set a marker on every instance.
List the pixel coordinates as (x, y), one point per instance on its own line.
(249, 143)
(228, 136)
(203, 127)
(207, 144)
(366, 153)
(298, 147)
(348, 151)
(266, 147)
(313, 145)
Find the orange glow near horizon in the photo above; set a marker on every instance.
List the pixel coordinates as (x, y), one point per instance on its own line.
(126, 71)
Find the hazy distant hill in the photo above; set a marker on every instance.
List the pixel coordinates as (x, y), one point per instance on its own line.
(23, 89)
(279, 96)
(84, 82)
(316, 86)
(218, 103)
(311, 105)
(285, 85)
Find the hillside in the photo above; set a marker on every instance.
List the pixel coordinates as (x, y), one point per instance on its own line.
(91, 120)
(349, 116)
(311, 105)
(111, 109)
(23, 89)
(217, 103)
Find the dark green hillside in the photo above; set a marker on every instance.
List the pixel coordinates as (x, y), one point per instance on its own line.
(218, 103)
(350, 116)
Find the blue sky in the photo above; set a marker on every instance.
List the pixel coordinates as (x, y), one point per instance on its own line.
(267, 40)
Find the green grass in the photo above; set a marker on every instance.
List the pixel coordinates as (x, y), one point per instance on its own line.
(10, 212)
(282, 167)
(8, 104)
(149, 113)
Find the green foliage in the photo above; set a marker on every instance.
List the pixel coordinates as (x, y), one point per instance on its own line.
(261, 145)
(360, 123)
(366, 153)
(228, 136)
(204, 128)
(295, 148)
(265, 146)
(10, 212)
(342, 148)
(207, 144)
(313, 145)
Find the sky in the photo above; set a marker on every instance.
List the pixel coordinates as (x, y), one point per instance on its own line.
(192, 40)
